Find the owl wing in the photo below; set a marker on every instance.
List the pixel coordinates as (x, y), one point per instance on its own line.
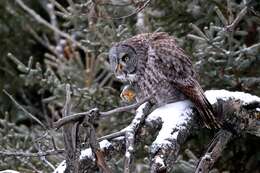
(191, 88)
(176, 67)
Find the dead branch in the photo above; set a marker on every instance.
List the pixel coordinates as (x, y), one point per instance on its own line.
(94, 144)
(42, 21)
(214, 151)
(77, 116)
(24, 110)
(70, 135)
(26, 154)
(136, 12)
(176, 123)
(130, 133)
(117, 143)
(239, 113)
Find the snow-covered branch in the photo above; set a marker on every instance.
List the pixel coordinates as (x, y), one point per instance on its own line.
(176, 121)
(173, 122)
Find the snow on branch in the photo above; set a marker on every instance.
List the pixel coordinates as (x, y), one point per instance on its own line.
(170, 125)
(176, 118)
(245, 98)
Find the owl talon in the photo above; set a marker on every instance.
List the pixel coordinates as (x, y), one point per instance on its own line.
(128, 94)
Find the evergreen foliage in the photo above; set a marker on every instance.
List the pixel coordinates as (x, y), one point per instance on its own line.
(37, 62)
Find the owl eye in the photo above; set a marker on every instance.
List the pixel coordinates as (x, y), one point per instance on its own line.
(125, 58)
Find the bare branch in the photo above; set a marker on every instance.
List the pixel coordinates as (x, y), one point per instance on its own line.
(130, 132)
(112, 135)
(174, 122)
(214, 151)
(70, 134)
(232, 26)
(126, 108)
(24, 110)
(137, 11)
(176, 119)
(77, 116)
(26, 154)
(39, 19)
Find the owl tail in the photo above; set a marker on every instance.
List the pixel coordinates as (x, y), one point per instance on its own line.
(206, 112)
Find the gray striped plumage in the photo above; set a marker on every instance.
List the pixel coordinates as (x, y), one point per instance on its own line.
(153, 63)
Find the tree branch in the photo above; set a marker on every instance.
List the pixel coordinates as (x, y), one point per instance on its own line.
(78, 116)
(130, 132)
(173, 123)
(214, 151)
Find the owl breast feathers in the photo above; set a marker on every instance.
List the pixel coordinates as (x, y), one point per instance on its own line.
(154, 64)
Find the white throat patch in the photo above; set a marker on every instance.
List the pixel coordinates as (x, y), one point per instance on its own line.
(129, 77)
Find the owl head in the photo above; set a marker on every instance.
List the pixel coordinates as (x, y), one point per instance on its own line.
(123, 61)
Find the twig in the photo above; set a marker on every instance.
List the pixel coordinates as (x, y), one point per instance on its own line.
(221, 16)
(248, 50)
(77, 116)
(73, 11)
(53, 18)
(202, 35)
(70, 118)
(232, 26)
(26, 154)
(60, 7)
(19, 64)
(30, 165)
(24, 110)
(112, 135)
(137, 11)
(67, 106)
(38, 18)
(43, 158)
(126, 108)
(114, 4)
(40, 40)
(72, 5)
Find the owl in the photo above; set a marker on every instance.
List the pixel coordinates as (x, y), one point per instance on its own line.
(153, 63)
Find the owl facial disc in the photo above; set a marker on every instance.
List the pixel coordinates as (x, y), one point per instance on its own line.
(123, 61)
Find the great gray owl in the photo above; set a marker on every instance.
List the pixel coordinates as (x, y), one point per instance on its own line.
(153, 63)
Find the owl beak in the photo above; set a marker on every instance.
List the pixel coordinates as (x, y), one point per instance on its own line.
(119, 68)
